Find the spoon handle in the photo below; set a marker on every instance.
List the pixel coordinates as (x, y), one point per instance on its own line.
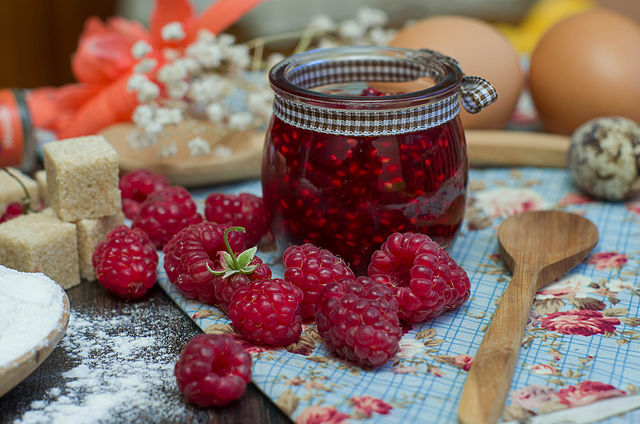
(489, 378)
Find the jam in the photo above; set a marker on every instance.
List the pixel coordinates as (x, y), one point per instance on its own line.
(347, 194)
(343, 169)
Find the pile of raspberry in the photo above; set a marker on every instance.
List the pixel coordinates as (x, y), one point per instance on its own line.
(126, 261)
(410, 279)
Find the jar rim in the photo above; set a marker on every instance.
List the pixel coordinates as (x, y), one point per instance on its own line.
(445, 70)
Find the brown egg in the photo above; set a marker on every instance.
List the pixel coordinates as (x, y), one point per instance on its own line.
(481, 51)
(584, 67)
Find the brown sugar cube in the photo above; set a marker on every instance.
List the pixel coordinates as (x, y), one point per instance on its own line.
(82, 178)
(90, 233)
(41, 242)
(11, 191)
(41, 179)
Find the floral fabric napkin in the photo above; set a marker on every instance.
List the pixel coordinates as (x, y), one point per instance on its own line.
(582, 342)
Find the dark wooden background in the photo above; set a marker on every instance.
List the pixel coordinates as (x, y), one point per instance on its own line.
(92, 299)
(37, 38)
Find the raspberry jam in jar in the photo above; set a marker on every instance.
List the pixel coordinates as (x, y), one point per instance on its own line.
(343, 169)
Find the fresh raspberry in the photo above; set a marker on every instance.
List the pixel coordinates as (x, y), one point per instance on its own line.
(311, 268)
(14, 210)
(244, 210)
(126, 262)
(422, 275)
(195, 251)
(358, 321)
(166, 212)
(136, 186)
(213, 370)
(267, 312)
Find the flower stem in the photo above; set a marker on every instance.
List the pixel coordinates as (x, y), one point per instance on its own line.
(275, 37)
(26, 200)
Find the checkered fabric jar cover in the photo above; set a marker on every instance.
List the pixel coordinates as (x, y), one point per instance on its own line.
(374, 116)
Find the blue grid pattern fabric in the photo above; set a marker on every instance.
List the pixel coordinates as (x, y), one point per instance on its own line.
(582, 342)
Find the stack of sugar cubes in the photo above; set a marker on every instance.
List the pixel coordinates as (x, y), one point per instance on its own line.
(80, 186)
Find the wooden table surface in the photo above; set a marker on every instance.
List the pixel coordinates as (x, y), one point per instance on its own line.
(94, 301)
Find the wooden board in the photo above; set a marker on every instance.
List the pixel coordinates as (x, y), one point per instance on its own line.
(186, 170)
(20, 369)
(516, 148)
(485, 148)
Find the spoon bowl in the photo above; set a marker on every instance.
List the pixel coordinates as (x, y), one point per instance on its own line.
(553, 240)
(538, 247)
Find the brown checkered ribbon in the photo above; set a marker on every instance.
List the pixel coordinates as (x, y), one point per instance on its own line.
(476, 93)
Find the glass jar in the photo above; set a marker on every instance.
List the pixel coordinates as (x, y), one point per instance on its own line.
(343, 169)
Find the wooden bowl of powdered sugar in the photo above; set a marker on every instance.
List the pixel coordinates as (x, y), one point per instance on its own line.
(34, 314)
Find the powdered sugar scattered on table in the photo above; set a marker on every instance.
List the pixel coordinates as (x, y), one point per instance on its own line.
(31, 305)
(121, 365)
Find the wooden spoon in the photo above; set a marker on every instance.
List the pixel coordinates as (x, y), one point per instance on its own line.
(538, 247)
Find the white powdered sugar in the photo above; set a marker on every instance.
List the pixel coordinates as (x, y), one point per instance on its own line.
(31, 305)
(121, 368)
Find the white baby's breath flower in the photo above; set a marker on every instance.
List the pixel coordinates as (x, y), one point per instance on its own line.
(380, 36)
(206, 54)
(169, 150)
(136, 81)
(139, 140)
(145, 66)
(191, 65)
(168, 115)
(171, 54)
(273, 59)
(208, 88)
(140, 49)
(239, 56)
(240, 121)
(351, 29)
(198, 147)
(327, 43)
(222, 151)
(369, 17)
(173, 32)
(216, 112)
(148, 91)
(177, 90)
(206, 36)
(322, 23)
(153, 127)
(142, 115)
(226, 40)
(172, 72)
(260, 103)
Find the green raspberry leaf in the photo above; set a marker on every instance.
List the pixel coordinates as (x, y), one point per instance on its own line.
(229, 273)
(229, 260)
(246, 257)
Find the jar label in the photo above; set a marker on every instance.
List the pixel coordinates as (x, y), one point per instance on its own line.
(11, 132)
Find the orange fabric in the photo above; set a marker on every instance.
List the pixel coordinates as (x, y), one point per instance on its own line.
(112, 104)
(49, 104)
(166, 12)
(222, 14)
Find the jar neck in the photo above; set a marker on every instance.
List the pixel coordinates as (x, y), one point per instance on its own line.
(368, 122)
(298, 104)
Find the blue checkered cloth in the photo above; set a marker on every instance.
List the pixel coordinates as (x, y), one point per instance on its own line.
(423, 383)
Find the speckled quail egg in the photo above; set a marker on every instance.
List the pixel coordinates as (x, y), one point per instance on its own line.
(604, 158)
